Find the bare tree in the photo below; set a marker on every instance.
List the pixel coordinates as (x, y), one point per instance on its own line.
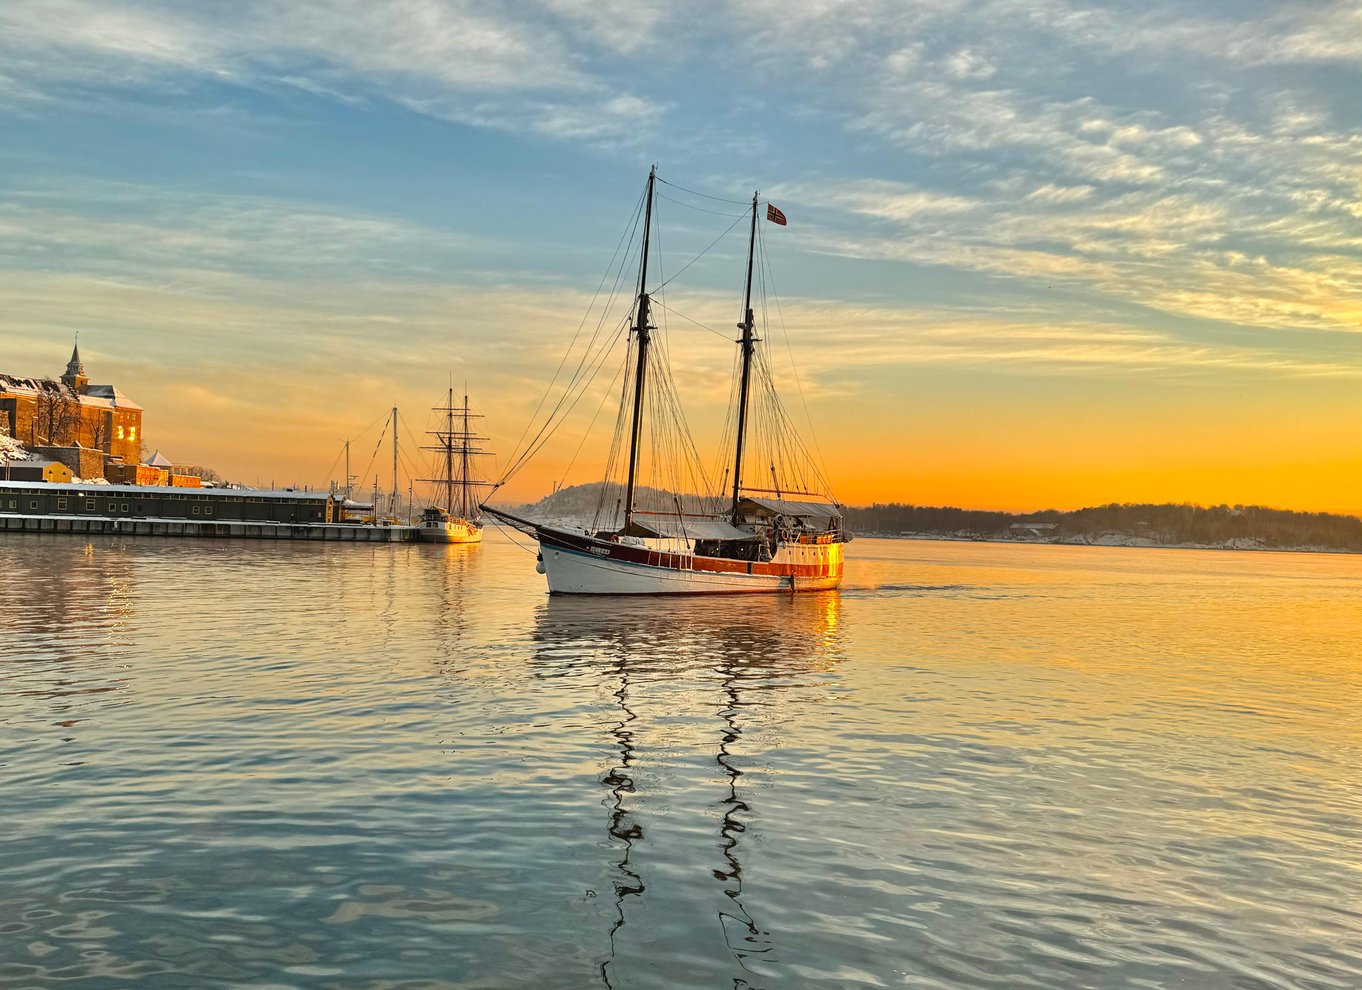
(56, 416)
(199, 471)
(101, 431)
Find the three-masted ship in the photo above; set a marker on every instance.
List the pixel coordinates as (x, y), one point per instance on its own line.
(455, 517)
(752, 539)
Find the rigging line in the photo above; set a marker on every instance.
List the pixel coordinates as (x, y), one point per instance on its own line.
(406, 466)
(546, 437)
(374, 456)
(364, 432)
(706, 251)
(699, 209)
(336, 463)
(629, 232)
(587, 432)
(822, 466)
(508, 530)
(720, 199)
(517, 462)
(718, 333)
(576, 385)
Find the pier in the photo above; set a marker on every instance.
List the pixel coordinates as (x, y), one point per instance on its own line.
(231, 513)
(333, 532)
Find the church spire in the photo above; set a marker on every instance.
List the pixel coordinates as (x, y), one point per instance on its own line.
(75, 370)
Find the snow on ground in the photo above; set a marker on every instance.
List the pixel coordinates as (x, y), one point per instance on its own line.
(10, 450)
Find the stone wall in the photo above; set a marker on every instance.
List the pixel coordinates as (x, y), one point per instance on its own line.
(83, 461)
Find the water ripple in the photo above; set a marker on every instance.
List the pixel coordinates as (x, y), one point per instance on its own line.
(980, 766)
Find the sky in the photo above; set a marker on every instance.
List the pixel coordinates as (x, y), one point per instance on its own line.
(1040, 254)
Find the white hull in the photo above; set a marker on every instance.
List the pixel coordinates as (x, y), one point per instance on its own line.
(572, 573)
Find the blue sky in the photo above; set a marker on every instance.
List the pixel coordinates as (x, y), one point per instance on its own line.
(1042, 221)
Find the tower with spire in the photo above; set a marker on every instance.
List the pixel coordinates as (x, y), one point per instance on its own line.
(75, 378)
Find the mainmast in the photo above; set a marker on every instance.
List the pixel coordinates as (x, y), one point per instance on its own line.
(463, 459)
(641, 319)
(448, 439)
(748, 345)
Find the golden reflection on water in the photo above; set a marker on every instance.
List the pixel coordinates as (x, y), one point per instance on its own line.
(976, 766)
(747, 646)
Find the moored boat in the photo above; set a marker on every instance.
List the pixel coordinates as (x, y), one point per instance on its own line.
(780, 539)
(455, 518)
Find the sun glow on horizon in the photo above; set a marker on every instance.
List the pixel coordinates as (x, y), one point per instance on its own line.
(1009, 279)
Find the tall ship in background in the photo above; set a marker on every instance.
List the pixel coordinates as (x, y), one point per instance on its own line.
(455, 516)
(781, 534)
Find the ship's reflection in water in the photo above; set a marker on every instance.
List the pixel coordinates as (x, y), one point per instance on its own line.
(987, 767)
(724, 663)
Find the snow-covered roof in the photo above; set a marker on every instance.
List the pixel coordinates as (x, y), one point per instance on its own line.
(100, 396)
(113, 394)
(159, 460)
(15, 383)
(34, 462)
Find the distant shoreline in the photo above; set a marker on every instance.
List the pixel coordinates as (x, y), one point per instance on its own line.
(1238, 544)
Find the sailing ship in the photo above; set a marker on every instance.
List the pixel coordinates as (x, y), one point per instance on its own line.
(455, 516)
(784, 538)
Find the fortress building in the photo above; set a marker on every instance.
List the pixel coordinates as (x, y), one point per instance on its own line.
(41, 414)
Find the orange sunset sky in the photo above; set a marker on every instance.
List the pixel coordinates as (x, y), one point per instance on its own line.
(1038, 255)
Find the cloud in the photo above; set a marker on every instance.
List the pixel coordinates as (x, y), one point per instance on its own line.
(967, 64)
(127, 229)
(1051, 193)
(453, 60)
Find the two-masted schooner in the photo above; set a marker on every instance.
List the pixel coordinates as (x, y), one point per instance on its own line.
(776, 537)
(455, 517)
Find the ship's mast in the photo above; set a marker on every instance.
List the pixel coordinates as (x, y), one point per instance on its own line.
(463, 466)
(458, 469)
(748, 345)
(642, 317)
(449, 452)
(394, 499)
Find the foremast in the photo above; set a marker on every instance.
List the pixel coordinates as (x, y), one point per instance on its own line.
(642, 321)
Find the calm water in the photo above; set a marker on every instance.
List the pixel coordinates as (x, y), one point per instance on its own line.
(242, 764)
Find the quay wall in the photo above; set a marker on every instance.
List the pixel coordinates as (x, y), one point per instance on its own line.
(90, 525)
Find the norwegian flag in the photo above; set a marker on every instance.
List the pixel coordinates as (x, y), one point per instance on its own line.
(774, 215)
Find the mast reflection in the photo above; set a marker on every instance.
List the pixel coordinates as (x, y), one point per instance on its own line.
(752, 939)
(687, 645)
(457, 567)
(623, 828)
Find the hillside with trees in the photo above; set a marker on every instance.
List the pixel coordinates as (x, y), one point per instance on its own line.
(1235, 527)
(1244, 527)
